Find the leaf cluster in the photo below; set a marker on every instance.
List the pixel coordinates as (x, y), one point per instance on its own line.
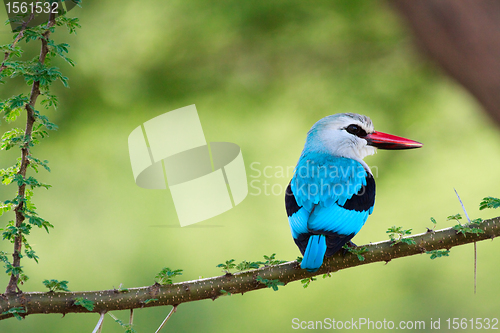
(270, 283)
(307, 281)
(438, 253)
(396, 234)
(55, 285)
(248, 265)
(16, 312)
(489, 202)
(86, 303)
(166, 275)
(465, 229)
(358, 251)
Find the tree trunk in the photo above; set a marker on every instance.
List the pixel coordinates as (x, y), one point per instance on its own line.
(463, 37)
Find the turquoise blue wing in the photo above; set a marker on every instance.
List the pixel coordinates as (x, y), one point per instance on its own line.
(322, 179)
(330, 196)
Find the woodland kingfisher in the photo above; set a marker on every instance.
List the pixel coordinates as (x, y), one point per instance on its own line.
(332, 191)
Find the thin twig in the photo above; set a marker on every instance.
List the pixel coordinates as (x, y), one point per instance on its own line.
(18, 38)
(475, 267)
(98, 327)
(463, 207)
(174, 309)
(131, 321)
(475, 248)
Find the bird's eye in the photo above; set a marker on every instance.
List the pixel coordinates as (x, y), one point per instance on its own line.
(356, 130)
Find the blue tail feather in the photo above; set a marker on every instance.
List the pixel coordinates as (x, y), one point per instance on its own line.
(315, 252)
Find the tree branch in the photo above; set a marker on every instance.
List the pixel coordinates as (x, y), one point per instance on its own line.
(12, 287)
(210, 288)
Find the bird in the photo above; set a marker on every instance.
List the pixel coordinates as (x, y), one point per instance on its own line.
(332, 191)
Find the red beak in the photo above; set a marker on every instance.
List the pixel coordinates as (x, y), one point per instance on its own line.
(388, 141)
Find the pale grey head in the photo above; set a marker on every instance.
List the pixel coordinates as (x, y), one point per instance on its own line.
(352, 136)
(341, 134)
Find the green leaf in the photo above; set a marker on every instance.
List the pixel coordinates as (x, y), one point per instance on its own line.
(12, 138)
(149, 300)
(35, 162)
(246, 265)
(270, 283)
(13, 51)
(271, 260)
(224, 292)
(408, 241)
(31, 254)
(396, 235)
(3, 257)
(307, 281)
(43, 120)
(55, 285)
(22, 278)
(166, 274)
(30, 181)
(36, 220)
(5, 208)
(229, 264)
(13, 270)
(15, 312)
(456, 217)
(10, 231)
(433, 220)
(70, 23)
(87, 304)
(358, 251)
(489, 202)
(13, 106)
(467, 229)
(7, 175)
(50, 100)
(438, 253)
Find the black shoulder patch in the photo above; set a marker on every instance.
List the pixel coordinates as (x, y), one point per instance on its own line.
(365, 198)
(301, 242)
(290, 203)
(335, 241)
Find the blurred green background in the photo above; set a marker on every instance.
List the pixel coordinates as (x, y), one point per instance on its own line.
(260, 73)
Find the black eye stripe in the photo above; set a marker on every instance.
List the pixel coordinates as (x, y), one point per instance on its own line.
(356, 130)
